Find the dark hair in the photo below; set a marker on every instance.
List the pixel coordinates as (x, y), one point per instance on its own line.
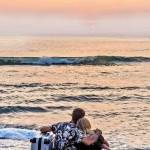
(77, 114)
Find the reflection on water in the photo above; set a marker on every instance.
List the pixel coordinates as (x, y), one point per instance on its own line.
(116, 97)
(73, 46)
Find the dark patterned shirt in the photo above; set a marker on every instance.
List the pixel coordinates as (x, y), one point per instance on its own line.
(66, 135)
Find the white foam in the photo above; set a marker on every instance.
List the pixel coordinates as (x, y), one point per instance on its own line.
(17, 134)
(47, 61)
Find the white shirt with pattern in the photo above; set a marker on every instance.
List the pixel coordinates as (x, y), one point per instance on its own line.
(66, 135)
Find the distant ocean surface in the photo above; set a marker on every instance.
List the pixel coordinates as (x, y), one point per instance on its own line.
(42, 79)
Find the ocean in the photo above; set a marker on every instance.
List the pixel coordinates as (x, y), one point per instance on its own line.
(42, 79)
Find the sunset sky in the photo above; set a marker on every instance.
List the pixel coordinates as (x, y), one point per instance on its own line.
(75, 17)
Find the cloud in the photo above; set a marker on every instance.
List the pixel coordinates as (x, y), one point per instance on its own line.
(58, 25)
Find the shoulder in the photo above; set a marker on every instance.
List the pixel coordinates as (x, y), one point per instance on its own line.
(63, 124)
(71, 126)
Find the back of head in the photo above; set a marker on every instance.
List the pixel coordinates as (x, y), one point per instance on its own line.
(84, 125)
(77, 114)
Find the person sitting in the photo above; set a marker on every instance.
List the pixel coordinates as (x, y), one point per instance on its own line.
(67, 134)
(85, 125)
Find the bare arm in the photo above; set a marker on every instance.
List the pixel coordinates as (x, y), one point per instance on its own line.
(105, 147)
(45, 129)
(105, 142)
(91, 139)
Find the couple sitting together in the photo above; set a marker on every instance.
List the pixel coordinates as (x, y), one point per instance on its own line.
(76, 134)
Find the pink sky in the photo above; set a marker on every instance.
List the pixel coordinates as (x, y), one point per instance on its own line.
(79, 17)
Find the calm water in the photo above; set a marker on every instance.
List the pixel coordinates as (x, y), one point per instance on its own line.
(42, 79)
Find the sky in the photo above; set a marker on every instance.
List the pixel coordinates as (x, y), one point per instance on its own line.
(75, 17)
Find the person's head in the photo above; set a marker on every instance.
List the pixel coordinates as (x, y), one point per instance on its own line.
(84, 125)
(77, 114)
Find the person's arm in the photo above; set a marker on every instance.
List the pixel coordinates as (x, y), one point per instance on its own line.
(105, 142)
(105, 147)
(45, 129)
(91, 139)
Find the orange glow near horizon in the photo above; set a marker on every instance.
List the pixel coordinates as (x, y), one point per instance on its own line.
(86, 7)
(75, 17)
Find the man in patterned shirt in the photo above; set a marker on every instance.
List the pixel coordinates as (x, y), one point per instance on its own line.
(67, 134)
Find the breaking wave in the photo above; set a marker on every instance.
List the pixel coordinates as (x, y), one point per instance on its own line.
(17, 134)
(90, 60)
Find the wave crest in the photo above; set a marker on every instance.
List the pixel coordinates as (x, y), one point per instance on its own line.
(90, 60)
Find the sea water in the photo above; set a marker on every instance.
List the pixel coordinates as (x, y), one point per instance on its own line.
(42, 79)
